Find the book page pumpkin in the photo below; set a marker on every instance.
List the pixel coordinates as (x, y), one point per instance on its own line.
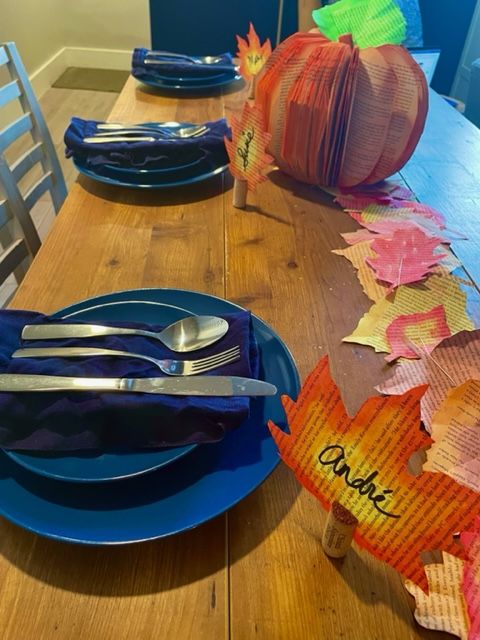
(341, 115)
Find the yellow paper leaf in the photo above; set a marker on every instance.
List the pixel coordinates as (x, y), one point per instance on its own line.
(405, 300)
(444, 608)
(456, 435)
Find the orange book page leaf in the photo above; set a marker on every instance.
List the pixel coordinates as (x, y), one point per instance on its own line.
(456, 435)
(252, 54)
(246, 149)
(451, 363)
(406, 256)
(427, 329)
(362, 463)
(471, 578)
(444, 608)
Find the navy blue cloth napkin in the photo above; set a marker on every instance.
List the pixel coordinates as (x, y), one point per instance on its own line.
(61, 421)
(161, 153)
(175, 68)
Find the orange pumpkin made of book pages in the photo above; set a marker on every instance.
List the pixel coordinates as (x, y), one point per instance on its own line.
(340, 115)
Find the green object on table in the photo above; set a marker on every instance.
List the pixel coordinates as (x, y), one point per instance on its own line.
(371, 22)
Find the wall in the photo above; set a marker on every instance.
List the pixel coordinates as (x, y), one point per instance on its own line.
(37, 27)
(107, 24)
(54, 34)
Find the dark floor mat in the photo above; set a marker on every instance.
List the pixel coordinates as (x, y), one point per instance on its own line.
(92, 79)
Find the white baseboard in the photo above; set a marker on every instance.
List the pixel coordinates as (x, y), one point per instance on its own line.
(99, 58)
(43, 77)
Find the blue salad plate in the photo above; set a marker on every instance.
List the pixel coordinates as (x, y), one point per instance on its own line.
(145, 179)
(189, 84)
(190, 490)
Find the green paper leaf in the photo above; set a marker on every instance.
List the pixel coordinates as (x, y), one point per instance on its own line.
(371, 22)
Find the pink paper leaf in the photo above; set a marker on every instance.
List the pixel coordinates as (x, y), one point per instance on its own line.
(430, 328)
(407, 256)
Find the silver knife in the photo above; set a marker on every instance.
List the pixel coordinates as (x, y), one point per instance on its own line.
(107, 139)
(198, 386)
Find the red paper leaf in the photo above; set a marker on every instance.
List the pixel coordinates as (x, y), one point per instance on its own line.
(407, 256)
(430, 327)
(362, 463)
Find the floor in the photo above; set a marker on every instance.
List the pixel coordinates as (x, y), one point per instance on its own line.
(58, 106)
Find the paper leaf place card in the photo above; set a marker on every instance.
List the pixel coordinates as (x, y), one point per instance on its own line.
(362, 463)
(252, 55)
(246, 151)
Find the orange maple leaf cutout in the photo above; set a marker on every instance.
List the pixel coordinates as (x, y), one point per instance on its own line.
(405, 257)
(471, 578)
(252, 54)
(246, 149)
(362, 463)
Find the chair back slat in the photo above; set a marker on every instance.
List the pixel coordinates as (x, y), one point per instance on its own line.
(9, 92)
(38, 189)
(12, 257)
(16, 201)
(18, 206)
(15, 130)
(4, 216)
(40, 131)
(26, 161)
(3, 56)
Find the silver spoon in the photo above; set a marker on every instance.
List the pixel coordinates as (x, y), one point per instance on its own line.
(194, 59)
(188, 334)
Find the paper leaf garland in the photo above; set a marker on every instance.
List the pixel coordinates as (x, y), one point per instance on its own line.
(362, 463)
(451, 363)
(252, 54)
(471, 578)
(406, 256)
(427, 329)
(371, 22)
(246, 149)
(444, 290)
(444, 608)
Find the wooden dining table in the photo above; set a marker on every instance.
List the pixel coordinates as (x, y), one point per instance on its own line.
(258, 570)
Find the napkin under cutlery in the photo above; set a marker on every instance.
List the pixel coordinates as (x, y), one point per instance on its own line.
(153, 154)
(175, 67)
(109, 421)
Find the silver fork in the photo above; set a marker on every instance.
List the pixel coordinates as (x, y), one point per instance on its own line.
(118, 128)
(134, 135)
(195, 59)
(170, 367)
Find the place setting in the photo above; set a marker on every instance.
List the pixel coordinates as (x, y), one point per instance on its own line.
(182, 73)
(147, 155)
(151, 402)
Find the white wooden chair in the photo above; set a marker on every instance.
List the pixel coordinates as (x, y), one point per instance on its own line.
(19, 238)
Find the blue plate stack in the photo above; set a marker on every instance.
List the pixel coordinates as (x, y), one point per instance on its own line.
(173, 71)
(148, 155)
(112, 498)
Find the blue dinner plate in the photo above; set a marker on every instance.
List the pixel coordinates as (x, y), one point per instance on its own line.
(105, 467)
(141, 179)
(177, 85)
(192, 490)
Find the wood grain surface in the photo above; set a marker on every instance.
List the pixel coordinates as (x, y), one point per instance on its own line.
(258, 571)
